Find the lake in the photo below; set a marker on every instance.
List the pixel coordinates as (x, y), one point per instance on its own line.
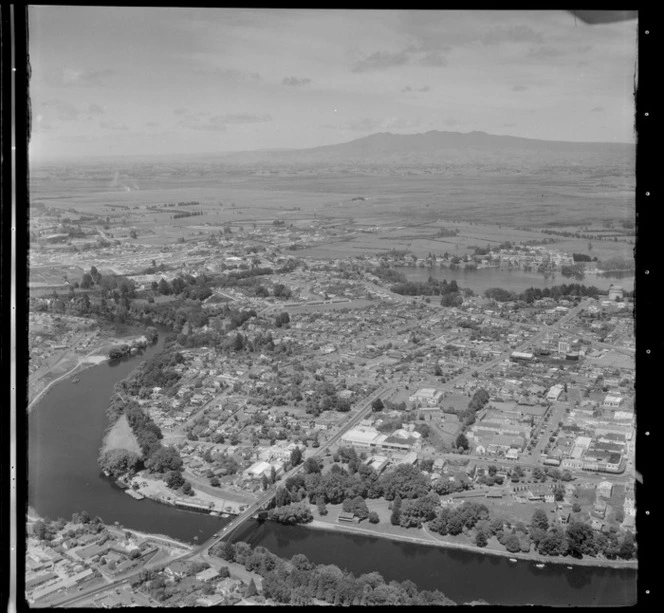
(512, 280)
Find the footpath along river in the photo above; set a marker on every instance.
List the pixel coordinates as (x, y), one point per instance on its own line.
(66, 429)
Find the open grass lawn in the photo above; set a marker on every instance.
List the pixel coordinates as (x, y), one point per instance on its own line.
(513, 511)
(121, 436)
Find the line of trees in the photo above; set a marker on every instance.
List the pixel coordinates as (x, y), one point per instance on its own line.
(298, 581)
(572, 290)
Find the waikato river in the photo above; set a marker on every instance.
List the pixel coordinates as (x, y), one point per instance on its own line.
(66, 429)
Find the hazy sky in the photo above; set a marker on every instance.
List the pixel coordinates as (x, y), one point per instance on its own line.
(120, 81)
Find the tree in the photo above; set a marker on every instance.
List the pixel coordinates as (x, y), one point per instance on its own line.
(291, 514)
(512, 543)
(377, 405)
(282, 497)
(320, 505)
(462, 442)
(311, 465)
(553, 543)
(264, 481)
(42, 531)
(118, 462)
(395, 518)
(559, 492)
(86, 281)
(187, 489)
(359, 508)
(174, 479)
(373, 517)
(416, 511)
(540, 520)
(405, 480)
(252, 590)
(164, 287)
(296, 456)
(481, 539)
(580, 539)
(627, 547)
(164, 459)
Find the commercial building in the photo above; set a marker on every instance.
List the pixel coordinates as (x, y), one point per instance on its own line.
(427, 396)
(554, 393)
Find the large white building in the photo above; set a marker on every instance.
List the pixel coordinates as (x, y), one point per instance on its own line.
(370, 438)
(554, 393)
(427, 396)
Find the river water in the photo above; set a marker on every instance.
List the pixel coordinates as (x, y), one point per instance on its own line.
(66, 429)
(511, 280)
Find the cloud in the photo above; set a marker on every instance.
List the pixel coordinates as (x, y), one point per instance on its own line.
(231, 74)
(409, 89)
(380, 61)
(451, 122)
(95, 109)
(113, 125)
(434, 58)
(152, 124)
(509, 125)
(520, 88)
(511, 34)
(597, 109)
(239, 118)
(64, 111)
(295, 82)
(40, 125)
(219, 123)
(544, 53)
(369, 124)
(68, 77)
(180, 111)
(194, 123)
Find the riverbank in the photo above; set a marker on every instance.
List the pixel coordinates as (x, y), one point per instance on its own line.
(157, 491)
(437, 541)
(87, 361)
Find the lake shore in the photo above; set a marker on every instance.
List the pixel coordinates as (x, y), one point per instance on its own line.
(436, 541)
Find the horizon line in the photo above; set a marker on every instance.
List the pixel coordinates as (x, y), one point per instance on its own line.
(35, 159)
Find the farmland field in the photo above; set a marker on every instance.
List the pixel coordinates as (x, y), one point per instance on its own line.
(524, 200)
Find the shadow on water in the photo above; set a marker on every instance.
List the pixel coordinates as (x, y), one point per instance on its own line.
(579, 576)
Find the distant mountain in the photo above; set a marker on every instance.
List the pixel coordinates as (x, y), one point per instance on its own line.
(446, 148)
(386, 142)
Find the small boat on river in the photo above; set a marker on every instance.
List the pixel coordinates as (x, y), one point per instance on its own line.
(512, 559)
(539, 565)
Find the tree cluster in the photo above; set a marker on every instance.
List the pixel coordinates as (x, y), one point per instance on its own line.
(299, 581)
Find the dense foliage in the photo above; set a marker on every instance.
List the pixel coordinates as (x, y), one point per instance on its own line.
(299, 581)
